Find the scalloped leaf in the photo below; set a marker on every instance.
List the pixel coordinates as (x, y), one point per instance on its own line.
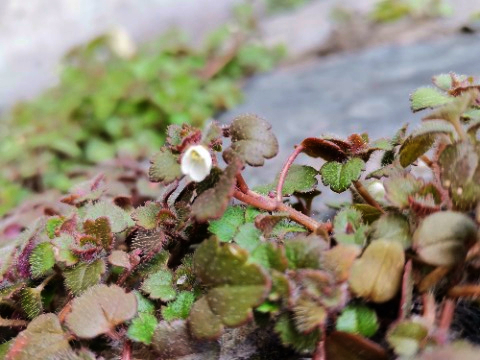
(212, 203)
(62, 249)
(309, 315)
(118, 218)
(53, 224)
(393, 227)
(142, 327)
(407, 337)
(339, 176)
(460, 173)
(344, 346)
(349, 227)
(339, 260)
(159, 285)
(165, 167)
(174, 341)
(300, 178)
(427, 97)
(323, 148)
(248, 237)
(99, 310)
(179, 309)
(291, 336)
(443, 81)
(84, 276)
(42, 259)
(42, 339)
(400, 187)
(252, 140)
(227, 226)
(358, 319)
(119, 258)
(377, 274)
(146, 215)
(31, 301)
(236, 286)
(100, 230)
(305, 251)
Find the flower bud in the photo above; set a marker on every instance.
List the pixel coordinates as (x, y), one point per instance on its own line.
(196, 162)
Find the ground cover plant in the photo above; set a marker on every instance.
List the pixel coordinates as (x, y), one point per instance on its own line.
(116, 100)
(199, 264)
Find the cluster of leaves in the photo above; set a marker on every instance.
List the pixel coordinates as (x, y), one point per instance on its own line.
(393, 10)
(115, 101)
(107, 273)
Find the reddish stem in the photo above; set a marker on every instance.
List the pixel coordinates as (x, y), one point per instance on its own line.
(242, 185)
(127, 350)
(284, 172)
(407, 284)
(367, 197)
(265, 203)
(319, 353)
(429, 309)
(464, 291)
(445, 321)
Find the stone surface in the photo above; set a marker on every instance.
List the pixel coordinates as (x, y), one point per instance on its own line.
(359, 92)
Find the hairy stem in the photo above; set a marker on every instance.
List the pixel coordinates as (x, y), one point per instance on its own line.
(269, 204)
(367, 197)
(284, 172)
(242, 184)
(127, 350)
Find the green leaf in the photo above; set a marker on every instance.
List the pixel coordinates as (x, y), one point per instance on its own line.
(62, 249)
(42, 339)
(305, 251)
(290, 336)
(442, 238)
(300, 178)
(212, 203)
(407, 337)
(377, 274)
(422, 140)
(227, 226)
(146, 216)
(358, 319)
(443, 81)
(31, 301)
(460, 173)
(52, 225)
(42, 259)
(252, 140)
(309, 314)
(165, 167)
(159, 285)
(84, 276)
(179, 308)
(339, 176)
(270, 256)
(118, 218)
(142, 327)
(393, 227)
(143, 304)
(349, 228)
(235, 286)
(400, 187)
(427, 97)
(248, 237)
(99, 310)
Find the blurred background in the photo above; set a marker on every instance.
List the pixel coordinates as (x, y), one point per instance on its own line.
(89, 86)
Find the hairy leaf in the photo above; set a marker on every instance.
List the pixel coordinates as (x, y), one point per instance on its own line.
(358, 319)
(179, 309)
(393, 227)
(100, 230)
(407, 337)
(62, 249)
(300, 178)
(212, 203)
(227, 226)
(400, 187)
(42, 339)
(119, 258)
(309, 314)
(84, 276)
(235, 287)
(290, 336)
(159, 285)
(146, 215)
(305, 252)
(443, 81)
(339, 176)
(252, 140)
(165, 167)
(323, 148)
(99, 310)
(31, 301)
(52, 225)
(349, 227)
(378, 273)
(118, 218)
(42, 259)
(142, 327)
(427, 97)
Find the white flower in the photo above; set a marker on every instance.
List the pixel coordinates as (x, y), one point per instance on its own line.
(377, 190)
(196, 162)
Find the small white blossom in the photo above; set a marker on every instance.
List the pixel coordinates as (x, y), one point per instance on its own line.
(196, 162)
(377, 190)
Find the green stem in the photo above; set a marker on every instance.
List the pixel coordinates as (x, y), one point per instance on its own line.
(459, 129)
